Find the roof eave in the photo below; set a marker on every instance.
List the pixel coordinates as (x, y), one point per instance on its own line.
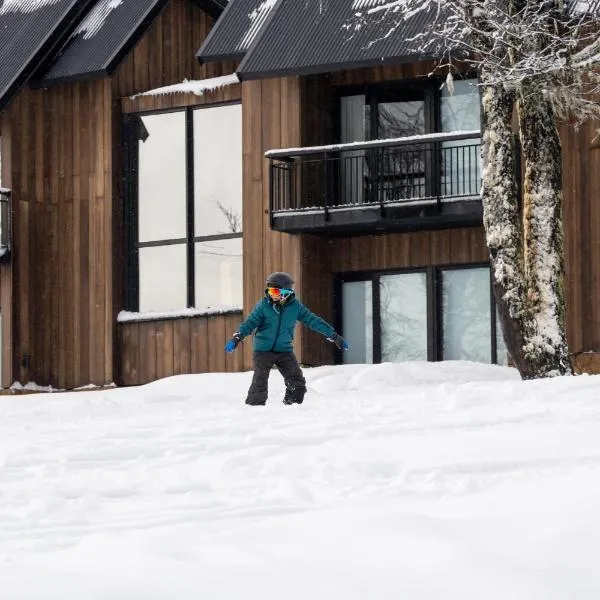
(327, 68)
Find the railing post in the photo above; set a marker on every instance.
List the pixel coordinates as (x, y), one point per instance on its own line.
(326, 185)
(381, 184)
(271, 191)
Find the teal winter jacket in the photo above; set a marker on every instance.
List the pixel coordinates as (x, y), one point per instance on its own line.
(274, 325)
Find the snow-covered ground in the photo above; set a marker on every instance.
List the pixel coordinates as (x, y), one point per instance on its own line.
(408, 481)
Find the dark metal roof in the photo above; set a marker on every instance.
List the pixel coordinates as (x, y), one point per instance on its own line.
(312, 36)
(30, 30)
(236, 29)
(107, 33)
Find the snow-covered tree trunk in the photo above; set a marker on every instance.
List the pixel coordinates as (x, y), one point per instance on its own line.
(501, 217)
(546, 347)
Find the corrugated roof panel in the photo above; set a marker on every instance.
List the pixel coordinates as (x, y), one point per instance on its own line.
(98, 42)
(30, 28)
(236, 29)
(310, 36)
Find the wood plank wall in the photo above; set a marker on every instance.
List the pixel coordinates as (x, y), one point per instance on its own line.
(61, 170)
(151, 350)
(271, 119)
(6, 270)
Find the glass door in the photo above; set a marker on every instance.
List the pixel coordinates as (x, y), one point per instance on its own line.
(357, 321)
(403, 317)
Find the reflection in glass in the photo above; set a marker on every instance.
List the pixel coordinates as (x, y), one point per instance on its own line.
(218, 170)
(357, 321)
(163, 278)
(219, 276)
(403, 306)
(162, 177)
(460, 111)
(466, 314)
(402, 174)
(501, 350)
(355, 128)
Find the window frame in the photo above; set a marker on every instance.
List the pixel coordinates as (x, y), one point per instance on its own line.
(434, 300)
(403, 90)
(130, 182)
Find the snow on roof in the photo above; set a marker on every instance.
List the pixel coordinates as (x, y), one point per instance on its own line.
(94, 21)
(198, 87)
(24, 6)
(257, 20)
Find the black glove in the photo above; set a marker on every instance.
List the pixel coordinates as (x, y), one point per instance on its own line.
(339, 341)
(232, 344)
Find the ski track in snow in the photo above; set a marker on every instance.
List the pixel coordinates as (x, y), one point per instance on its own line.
(186, 452)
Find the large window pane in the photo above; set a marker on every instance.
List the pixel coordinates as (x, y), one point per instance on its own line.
(460, 111)
(219, 276)
(357, 321)
(162, 177)
(466, 314)
(403, 306)
(163, 281)
(218, 170)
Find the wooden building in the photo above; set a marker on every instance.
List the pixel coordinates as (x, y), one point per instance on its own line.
(158, 166)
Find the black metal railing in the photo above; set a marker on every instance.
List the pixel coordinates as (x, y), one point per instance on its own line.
(5, 224)
(430, 169)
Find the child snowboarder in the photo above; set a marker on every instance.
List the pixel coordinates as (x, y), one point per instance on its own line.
(274, 320)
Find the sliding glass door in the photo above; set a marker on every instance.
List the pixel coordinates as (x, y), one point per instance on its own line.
(436, 313)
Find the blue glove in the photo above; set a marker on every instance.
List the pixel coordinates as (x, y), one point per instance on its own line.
(339, 341)
(231, 345)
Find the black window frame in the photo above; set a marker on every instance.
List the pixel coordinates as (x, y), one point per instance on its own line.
(401, 90)
(130, 141)
(435, 341)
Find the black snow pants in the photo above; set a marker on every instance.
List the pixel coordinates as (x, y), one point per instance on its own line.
(295, 384)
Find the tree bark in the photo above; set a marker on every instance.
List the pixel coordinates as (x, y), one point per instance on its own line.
(546, 344)
(501, 219)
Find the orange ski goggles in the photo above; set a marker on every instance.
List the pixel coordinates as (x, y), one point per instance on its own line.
(278, 293)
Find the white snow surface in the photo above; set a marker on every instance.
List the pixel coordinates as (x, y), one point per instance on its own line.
(24, 6)
(420, 481)
(126, 316)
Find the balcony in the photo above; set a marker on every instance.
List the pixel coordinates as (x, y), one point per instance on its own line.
(403, 184)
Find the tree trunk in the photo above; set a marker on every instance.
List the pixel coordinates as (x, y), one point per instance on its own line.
(501, 219)
(546, 345)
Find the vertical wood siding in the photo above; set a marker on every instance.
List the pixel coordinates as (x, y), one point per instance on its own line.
(154, 349)
(61, 176)
(271, 119)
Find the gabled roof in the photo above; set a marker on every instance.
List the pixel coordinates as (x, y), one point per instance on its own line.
(30, 30)
(236, 29)
(106, 34)
(303, 37)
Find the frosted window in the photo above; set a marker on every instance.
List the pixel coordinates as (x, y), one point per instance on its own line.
(162, 177)
(163, 278)
(218, 170)
(403, 305)
(357, 321)
(219, 276)
(466, 314)
(460, 111)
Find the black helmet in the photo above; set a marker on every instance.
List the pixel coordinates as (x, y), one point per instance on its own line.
(280, 280)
